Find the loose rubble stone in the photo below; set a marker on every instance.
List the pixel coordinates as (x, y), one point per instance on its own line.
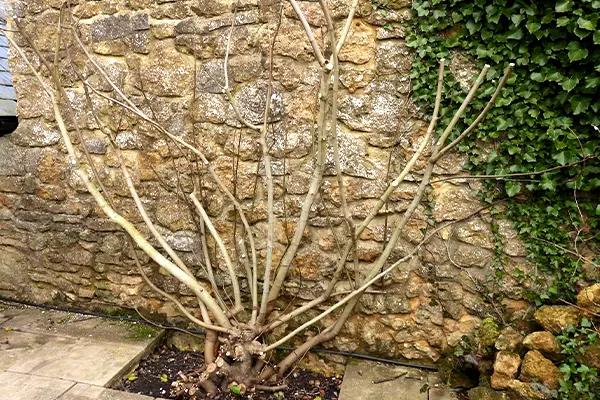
(509, 339)
(486, 393)
(530, 391)
(537, 368)
(544, 342)
(505, 369)
(589, 298)
(557, 318)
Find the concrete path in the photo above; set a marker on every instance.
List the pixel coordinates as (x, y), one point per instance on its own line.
(366, 380)
(51, 355)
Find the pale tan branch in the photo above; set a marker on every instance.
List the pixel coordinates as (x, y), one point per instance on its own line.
(271, 220)
(190, 282)
(180, 306)
(221, 245)
(459, 113)
(309, 33)
(368, 283)
(481, 115)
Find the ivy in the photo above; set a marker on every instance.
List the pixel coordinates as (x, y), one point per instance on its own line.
(579, 380)
(546, 118)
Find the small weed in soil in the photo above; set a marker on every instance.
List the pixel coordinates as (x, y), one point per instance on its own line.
(157, 371)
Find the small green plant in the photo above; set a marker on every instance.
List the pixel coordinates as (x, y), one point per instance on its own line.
(579, 382)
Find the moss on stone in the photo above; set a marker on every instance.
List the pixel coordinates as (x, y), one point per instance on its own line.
(488, 332)
(138, 331)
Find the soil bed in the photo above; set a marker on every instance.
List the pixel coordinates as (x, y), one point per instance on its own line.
(157, 371)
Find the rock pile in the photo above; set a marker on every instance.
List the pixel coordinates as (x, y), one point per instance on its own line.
(526, 367)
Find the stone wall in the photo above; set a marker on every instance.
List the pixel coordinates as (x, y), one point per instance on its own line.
(57, 247)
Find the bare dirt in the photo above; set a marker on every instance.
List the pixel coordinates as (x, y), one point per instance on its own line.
(159, 370)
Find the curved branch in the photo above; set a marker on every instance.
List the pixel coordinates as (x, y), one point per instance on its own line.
(183, 277)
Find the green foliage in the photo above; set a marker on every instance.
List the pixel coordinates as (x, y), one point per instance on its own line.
(579, 382)
(546, 118)
(139, 331)
(488, 332)
(235, 389)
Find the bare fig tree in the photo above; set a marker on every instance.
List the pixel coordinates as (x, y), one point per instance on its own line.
(239, 320)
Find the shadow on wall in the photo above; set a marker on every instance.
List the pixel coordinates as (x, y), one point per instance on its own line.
(8, 98)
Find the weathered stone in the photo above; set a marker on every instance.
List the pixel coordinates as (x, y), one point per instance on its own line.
(352, 157)
(589, 299)
(358, 48)
(35, 133)
(537, 368)
(471, 256)
(486, 393)
(376, 112)
(118, 34)
(251, 100)
(452, 202)
(172, 216)
(506, 367)
(211, 108)
(167, 72)
(210, 8)
(464, 69)
(544, 342)
(509, 340)
(557, 318)
(210, 77)
(474, 232)
(293, 43)
(185, 342)
(530, 391)
(510, 239)
(393, 57)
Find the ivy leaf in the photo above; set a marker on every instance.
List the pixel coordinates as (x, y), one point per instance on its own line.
(579, 104)
(472, 27)
(548, 183)
(537, 77)
(592, 82)
(560, 158)
(516, 19)
(587, 24)
(570, 83)
(562, 21)
(576, 51)
(533, 27)
(563, 6)
(585, 323)
(512, 188)
(517, 34)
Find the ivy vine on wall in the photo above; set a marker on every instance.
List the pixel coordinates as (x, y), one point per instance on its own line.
(545, 122)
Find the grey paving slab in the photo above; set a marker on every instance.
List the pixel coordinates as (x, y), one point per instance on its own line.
(370, 380)
(78, 359)
(17, 386)
(77, 325)
(6, 313)
(83, 391)
(71, 346)
(442, 393)
(438, 390)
